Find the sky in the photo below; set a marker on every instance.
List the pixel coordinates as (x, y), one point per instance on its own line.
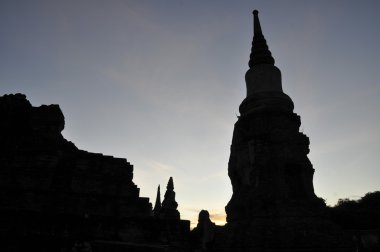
(159, 82)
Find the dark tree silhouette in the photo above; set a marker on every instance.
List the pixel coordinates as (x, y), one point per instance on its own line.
(358, 214)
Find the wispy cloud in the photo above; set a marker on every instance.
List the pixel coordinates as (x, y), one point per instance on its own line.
(159, 167)
(216, 175)
(218, 217)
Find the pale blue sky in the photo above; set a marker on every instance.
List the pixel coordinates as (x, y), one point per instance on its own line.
(159, 82)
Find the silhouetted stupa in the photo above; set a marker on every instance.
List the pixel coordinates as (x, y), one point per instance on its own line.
(273, 206)
(157, 205)
(169, 205)
(55, 196)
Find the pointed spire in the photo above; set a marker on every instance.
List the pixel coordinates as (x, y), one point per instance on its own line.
(169, 205)
(170, 185)
(260, 53)
(256, 24)
(157, 205)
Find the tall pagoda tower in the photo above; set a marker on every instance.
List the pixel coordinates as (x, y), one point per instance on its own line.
(273, 206)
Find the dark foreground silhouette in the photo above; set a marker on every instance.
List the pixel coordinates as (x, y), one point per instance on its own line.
(55, 197)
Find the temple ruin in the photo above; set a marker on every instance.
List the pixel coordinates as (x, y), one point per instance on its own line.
(273, 206)
(55, 197)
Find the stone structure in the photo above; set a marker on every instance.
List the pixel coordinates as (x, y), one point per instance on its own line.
(157, 205)
(169, 205)
(203, 235)
(273, 206)
(54, 195)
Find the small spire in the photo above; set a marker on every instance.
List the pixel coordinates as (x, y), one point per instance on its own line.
(256, 24)
(170, 185)
(260, 53)
(157, 205)
(169, 205)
